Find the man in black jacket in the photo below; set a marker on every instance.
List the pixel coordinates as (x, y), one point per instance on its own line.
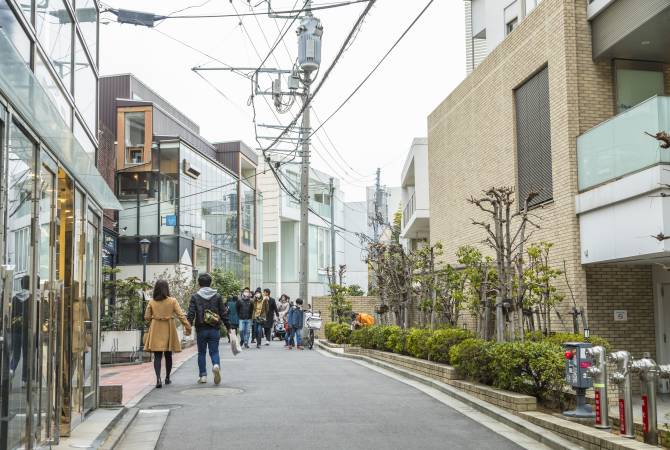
(207, 313)
(245, 311)
(272, 313)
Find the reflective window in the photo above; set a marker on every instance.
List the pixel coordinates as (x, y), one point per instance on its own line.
(53, 26)
(27, 9)
(85, 87)
(53, 90)
(201, 262)
(11, 27)
(635, 86)
(87, 18)
(21, 181)
(82, 137)
(169, 181)
(137, 193)
(134, 137)
(247, 216)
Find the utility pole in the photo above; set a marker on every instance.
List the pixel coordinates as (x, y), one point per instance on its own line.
(333, 254)
(309, 59)
(378, 200)
(304, 201)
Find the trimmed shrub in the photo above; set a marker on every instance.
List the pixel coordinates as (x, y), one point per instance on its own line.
(397, 340)
(338, 333)
(441, 341)
(534, 368)
(363, 337)
(380, 336)
(473, 358)
(417, 342)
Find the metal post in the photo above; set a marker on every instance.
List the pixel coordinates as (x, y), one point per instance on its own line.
(304, 197)
(622, 378)
(333, 255)
(144, 299)
(648, 372)
(598, 372)
(375, 224)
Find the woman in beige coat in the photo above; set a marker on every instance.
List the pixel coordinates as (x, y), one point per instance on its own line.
(162, 338)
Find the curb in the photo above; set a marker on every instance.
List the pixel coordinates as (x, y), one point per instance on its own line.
(118, 429)
(525, 427)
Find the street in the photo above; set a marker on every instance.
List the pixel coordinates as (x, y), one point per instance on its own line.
(274, 398)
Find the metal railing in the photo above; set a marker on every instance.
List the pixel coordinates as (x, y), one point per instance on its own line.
(408, 211)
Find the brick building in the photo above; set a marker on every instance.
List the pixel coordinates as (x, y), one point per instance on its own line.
(558, 103)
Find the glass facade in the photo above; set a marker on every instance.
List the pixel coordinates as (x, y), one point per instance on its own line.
(51, 239)
(188, 205)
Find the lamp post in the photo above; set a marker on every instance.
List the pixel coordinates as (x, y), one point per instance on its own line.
(144, 251)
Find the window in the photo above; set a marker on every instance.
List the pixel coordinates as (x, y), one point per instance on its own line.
(50, 85)
(323, 248)
(85, 86)
(202, 259)
(134, 137)
(83, 139)
(511, 25)
(637, 83)
(534, 139)
(87, 17)
(10, 26)
(53, 26)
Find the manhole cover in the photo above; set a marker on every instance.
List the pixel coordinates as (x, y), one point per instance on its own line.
(166, 406)
(212, 391)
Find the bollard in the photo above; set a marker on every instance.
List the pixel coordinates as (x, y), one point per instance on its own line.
(598, 372)
(648, 371)
(622, 378)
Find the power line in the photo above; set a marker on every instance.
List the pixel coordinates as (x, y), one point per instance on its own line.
(374, 69)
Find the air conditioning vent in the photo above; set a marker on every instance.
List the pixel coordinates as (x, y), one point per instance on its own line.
(190, 170)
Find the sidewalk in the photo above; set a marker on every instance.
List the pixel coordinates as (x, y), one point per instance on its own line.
(136, 378)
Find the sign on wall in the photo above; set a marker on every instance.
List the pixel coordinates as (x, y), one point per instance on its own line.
(620, 315)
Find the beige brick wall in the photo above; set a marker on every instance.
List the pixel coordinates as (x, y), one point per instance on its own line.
(471, 138)
(358, 304)
(622, 287)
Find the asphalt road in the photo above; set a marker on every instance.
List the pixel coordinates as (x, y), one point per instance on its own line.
(274, 398)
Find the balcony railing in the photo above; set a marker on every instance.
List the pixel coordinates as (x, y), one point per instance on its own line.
(409, 209)
(620, 146)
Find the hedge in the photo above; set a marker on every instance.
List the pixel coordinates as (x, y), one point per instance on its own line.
(534, 367)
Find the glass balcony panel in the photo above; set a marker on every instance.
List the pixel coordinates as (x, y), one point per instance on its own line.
(620, 146)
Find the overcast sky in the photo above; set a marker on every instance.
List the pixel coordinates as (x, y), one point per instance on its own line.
(375, 129)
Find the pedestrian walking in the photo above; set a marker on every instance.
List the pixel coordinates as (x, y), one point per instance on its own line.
(271, 314)
(162, 338)
(282, 311)
(245, 311)
(207, 312)
(233, 318)
(259, 316)
(296, 320)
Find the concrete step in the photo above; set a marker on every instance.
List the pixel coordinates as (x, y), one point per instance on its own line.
(144, 431)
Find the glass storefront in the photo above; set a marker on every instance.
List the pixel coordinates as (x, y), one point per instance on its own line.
(50, 297)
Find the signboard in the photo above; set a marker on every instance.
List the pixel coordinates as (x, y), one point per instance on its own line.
(171, 220)
(620, 315)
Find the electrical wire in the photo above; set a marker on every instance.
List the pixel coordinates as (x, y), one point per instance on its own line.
(374, 69)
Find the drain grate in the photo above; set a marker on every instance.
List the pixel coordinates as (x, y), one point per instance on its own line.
(221, 391)
(166, 406)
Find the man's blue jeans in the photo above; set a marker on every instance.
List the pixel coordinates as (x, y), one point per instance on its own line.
(245, 329)
(208, 338)
(296, 334)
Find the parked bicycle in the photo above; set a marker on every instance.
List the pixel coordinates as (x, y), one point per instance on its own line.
(313, 322)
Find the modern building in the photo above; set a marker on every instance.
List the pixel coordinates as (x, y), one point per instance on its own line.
(415, 228)
(51, 214)
(355, 254)
(560, 106)
(196, 202)
(281, 232)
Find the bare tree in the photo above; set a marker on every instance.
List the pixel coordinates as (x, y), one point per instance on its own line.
(506, 235)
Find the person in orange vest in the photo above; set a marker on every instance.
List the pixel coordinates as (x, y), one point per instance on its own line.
(359, 320)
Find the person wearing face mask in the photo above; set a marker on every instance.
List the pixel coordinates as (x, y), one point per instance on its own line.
(259, 315)
(245, 309)
(271, 314)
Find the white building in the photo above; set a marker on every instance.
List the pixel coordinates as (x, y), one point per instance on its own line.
(281, 233)
(415, 228)
(488, 22)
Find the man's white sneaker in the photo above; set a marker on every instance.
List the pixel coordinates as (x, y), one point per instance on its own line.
(217, 374)
(202, 380)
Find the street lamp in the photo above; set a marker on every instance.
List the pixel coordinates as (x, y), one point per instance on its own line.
(144, 251)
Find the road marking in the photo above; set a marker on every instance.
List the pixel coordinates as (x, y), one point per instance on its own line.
(501, 429)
